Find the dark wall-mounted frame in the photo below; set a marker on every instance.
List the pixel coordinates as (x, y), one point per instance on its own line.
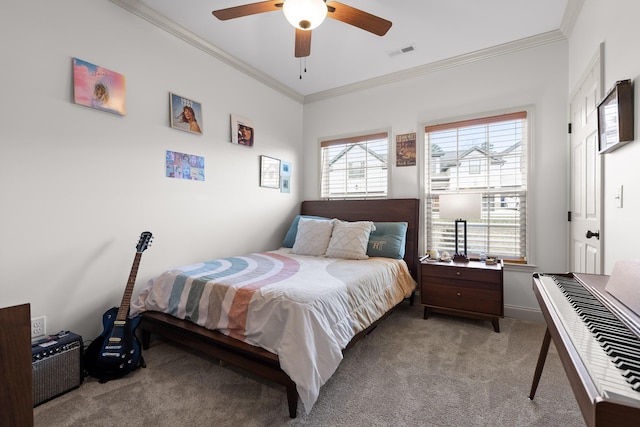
(615, 117)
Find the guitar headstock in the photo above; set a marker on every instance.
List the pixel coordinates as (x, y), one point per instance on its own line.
(144, 242)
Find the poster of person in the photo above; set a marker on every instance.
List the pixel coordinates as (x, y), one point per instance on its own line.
(186, 114)
(99, 88)
(406, 149)
(184, 166)
(242, 132)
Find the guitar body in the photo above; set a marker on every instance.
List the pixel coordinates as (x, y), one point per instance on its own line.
(116, 352)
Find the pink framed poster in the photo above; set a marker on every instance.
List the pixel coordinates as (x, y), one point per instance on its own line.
(99, 88)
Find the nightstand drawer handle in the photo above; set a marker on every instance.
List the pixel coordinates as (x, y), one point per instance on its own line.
(458, 293)
(458, 273)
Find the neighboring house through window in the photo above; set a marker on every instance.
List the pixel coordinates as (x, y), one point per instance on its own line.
(486, 155)
(355, 167)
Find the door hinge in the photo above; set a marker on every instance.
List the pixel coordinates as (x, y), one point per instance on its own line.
(569, 216)
(569, 128)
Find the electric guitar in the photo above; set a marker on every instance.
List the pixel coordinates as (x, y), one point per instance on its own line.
(116, 352)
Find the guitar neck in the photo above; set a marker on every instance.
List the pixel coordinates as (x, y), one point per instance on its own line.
(123, 310)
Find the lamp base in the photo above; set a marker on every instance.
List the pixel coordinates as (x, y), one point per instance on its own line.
(460, 258)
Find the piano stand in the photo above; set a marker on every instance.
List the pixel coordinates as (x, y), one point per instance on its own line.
(599, 380)
(544, 350)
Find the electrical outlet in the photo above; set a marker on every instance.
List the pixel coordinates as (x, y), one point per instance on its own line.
(38, 326)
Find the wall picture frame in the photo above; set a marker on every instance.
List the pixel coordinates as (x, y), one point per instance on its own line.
(285, 177)
(242, 131)
(406, 149)
(99, 88)
(185, 114)
(184, 166)
(615, 117)
(269, 172)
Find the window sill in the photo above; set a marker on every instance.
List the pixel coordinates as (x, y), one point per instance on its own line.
(520, 268)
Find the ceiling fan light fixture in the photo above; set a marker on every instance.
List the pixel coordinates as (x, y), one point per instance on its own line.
(305, 14)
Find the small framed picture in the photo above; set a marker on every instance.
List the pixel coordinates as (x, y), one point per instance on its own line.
(97, 87)
(184, 166)
(269, 172)
(285, 177)
(186, 114)
(406, 149)
(285, 184)
(285, 168)
(242, 131)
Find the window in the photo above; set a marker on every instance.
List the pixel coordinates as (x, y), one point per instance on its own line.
(488, 155)
(355, 167)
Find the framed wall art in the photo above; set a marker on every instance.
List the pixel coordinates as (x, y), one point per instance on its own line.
(99, 88)
(615, 117)
(285, 177)
(285, 184)
(242, 131)
(184, 166)
(269, 172)
(406, 149)
(185, 114)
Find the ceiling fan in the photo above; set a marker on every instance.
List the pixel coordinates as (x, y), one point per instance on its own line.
(306, 15)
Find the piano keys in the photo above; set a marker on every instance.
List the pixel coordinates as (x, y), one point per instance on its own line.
(597, 338)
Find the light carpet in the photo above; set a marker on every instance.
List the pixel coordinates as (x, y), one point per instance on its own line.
(443, 371)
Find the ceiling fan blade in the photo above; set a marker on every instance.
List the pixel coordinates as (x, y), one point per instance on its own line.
(248, 9)
(358, 18)
(303, 43)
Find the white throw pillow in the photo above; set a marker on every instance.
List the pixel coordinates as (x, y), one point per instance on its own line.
(349, 240)
(313, 236)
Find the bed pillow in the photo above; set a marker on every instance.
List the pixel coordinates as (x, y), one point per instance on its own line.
(290, 237)
(312, 237)
(388, 240)
(349, 239)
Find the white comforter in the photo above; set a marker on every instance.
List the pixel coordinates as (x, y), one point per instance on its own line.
(304, 309)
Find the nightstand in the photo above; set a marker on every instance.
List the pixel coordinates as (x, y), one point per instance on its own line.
(473, 289)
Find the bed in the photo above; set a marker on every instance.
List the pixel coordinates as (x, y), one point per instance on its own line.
(288, 314)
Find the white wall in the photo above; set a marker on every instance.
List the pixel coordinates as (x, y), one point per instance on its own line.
(80, 185)
(614, 23)
(536, 77)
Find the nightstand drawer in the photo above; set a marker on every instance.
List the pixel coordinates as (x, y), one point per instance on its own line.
(460, 298)
(461, 273)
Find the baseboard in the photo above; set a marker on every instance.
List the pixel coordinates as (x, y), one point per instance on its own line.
(523, 313)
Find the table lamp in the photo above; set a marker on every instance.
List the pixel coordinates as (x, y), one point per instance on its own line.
(461, 207)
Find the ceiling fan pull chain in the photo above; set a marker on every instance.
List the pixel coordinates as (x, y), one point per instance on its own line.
(300, 68)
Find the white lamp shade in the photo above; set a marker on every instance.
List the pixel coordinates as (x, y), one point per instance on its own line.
(461, 206)
(305, 14)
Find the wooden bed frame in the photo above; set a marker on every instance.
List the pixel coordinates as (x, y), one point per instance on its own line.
(255, 359)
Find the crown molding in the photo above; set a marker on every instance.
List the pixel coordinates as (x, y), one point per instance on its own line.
(456, 61)
(139, 9)
(570, 16)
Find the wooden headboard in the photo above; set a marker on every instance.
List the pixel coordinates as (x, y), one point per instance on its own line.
(387, 210)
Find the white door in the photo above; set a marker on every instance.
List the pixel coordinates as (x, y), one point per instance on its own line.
(585, 230)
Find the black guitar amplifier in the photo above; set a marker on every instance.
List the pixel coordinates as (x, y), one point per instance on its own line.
(57, 365)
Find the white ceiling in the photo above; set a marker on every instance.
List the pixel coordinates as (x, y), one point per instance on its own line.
(341, 54)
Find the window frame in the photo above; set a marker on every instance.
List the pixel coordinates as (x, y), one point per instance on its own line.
(355, 138)
(529, 223)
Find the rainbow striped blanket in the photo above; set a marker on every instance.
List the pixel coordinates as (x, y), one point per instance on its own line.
(305, 309)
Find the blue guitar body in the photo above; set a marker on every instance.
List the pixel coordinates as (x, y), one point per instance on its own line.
(117, 351)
